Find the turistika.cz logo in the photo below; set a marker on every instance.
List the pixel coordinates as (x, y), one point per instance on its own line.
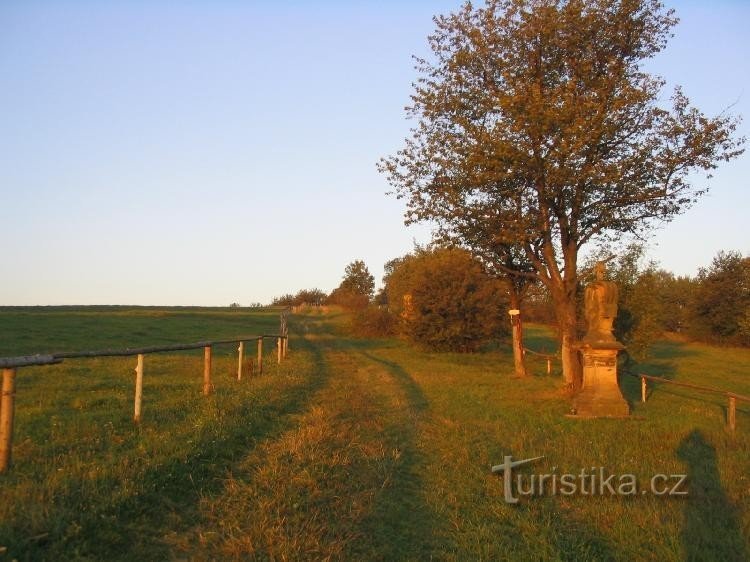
(594, 481)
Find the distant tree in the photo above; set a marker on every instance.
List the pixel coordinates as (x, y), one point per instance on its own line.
(284, 300)
(445, 301)
(722, 299)
(313, 297)
(540, 116)
(358, 279)
(356, 289)
(234, 305)
(678, 294)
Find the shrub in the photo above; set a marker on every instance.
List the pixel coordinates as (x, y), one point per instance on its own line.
(445, 301)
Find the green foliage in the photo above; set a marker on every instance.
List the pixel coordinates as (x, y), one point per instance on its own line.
(304, 296)
(722, 300)
(373, 321)
(537, 123)
(445, 301)
(357, 288)
(358, 279)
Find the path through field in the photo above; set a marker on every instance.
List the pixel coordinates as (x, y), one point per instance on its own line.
(358, 449)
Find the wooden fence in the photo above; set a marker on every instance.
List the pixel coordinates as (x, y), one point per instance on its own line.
(731, 397)
(10, 365)
(547, 356)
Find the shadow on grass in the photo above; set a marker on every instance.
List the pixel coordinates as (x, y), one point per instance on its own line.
(711, 528)
(170, 493)
(401, 525)
(415, 396)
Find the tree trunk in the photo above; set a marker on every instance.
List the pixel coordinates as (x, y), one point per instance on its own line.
(565, 309)
(517, 329)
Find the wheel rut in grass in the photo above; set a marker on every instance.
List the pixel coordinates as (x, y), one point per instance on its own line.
(342, 483)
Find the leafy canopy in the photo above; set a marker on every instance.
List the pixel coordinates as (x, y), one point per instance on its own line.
(537, 123)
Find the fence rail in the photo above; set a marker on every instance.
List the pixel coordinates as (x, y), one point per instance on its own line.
(731, 397)
(10, 365)
(549, 357)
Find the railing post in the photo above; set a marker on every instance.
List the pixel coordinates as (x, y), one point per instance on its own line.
(278, 350)
(549, 366)
(732, 413)
(644, 388)
(138, 389)
(7, 409)
(260, 355)
(207, 370)
(240, 353)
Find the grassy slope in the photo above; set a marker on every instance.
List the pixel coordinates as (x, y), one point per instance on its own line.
(360, 449)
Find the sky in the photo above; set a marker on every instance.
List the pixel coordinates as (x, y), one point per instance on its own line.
(202, 153)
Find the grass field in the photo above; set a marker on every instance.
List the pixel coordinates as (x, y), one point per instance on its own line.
(351, 449)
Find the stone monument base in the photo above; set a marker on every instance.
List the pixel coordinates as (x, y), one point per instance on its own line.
(600, 396)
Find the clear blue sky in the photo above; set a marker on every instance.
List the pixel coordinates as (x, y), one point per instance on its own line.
(209, 152)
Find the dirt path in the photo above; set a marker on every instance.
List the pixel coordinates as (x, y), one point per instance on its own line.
(349, 468)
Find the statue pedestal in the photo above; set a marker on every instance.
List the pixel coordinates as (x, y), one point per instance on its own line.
(600, 396)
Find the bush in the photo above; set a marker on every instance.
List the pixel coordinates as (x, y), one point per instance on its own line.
(445, 301)
(373, 322)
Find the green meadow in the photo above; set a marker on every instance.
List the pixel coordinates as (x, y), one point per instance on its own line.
(351, 449)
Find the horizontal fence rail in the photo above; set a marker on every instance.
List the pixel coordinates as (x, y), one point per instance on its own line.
(549, 357)
(10, 365)
(731, 397)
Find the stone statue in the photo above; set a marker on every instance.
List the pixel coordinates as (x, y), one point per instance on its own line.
(600, 302)
(600, 396)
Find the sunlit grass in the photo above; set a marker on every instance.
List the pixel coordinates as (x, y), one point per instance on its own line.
(358, 449)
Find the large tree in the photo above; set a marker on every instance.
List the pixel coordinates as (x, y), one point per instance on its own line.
(538, 115)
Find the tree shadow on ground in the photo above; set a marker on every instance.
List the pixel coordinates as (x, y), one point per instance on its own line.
(401, 525)
(415, 396)
(711, 528)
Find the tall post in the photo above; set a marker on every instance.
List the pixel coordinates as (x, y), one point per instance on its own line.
(240, 354)
(732, 413)
(644, 388)
(138, 389)
(260, 355)
(7, 409)
(207, 370)
(278, 350)
(519, 366)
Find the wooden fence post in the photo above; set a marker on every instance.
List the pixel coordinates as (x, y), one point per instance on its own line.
(278, 350)
(138, 389)
(7, 409)
(644, 388)
(549, 365)
(732, 413)
(260, 355)
(207, 370)
(240, 353)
